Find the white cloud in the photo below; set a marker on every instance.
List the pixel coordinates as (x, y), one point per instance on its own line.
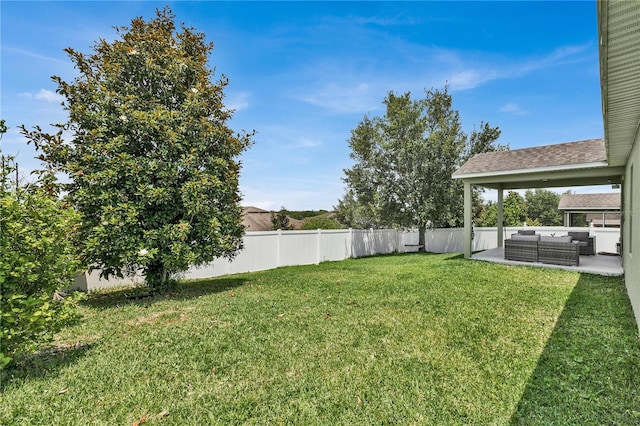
(261, 204)
(34, 55)
(238, 101)
(299, 193)
(284, 137)
(343, 97)
(469, 79)
(48, 96)
(308, 143)
(513, 108)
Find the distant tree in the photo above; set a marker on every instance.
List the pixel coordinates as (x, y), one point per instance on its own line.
(363, 212)
(514, 212)
(280, 220)
(404, 161)
(321, 223)
(152, 163)
(488, 216)
(579, 219)
(542, 207)
(303, 214)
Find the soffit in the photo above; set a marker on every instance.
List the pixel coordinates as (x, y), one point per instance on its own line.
(619, 28)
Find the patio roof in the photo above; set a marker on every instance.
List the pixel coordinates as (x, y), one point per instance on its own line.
(566, 164)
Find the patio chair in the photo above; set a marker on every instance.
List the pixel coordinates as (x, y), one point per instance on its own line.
(590, 248)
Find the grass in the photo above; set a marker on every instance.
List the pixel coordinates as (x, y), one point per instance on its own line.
(403, 339)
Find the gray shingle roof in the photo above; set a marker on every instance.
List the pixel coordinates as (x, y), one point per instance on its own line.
(558, 155)
(610, 201)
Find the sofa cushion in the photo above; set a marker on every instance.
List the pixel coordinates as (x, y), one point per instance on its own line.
(526, 231)
(520, 237)
(564, 239)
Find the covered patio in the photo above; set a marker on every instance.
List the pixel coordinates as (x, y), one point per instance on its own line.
(598, 264)
(581, 163)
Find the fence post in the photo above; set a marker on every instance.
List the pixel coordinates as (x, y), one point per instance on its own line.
(278, 249)
(318, 247)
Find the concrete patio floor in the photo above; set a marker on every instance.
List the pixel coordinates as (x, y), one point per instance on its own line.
(598, 264)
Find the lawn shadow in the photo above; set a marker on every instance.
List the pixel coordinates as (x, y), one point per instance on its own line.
(456, 256)
(143, 297)
(42, 363)
(589, 370)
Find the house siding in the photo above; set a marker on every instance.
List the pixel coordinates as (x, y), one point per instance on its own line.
(630, 228)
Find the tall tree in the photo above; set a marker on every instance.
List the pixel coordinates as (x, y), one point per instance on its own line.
(542, 207)
(152, 162)
(404, 161)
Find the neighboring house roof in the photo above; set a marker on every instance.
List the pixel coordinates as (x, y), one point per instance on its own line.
(610, 201)
(255, 219)
(587, 153)
(252, 209)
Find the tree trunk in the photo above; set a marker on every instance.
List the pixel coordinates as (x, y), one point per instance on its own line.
(422, 229)
(156, 275)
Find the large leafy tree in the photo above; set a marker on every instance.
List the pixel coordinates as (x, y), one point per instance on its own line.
(152, 162)
(542, 207)
(404, 161)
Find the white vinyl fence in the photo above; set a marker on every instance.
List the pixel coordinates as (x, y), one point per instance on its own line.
(272, 249)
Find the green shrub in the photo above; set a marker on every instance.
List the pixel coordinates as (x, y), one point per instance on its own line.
(38, 260)
(321, 223)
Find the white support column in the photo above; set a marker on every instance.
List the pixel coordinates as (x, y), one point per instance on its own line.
(500, 216)
(467, 219)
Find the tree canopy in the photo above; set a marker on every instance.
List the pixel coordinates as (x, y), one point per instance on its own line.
(404, 161)
(152, 162)
(542, 207)
(537, 208)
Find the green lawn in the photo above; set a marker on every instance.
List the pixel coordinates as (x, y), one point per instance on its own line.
(403, 339)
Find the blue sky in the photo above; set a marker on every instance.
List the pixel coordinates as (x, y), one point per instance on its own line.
(303, 74)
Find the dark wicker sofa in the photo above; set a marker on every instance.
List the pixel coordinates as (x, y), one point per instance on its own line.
(522, 247)
(559, 251)
(528, 247)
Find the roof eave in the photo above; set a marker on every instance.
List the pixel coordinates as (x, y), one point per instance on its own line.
(537, 170)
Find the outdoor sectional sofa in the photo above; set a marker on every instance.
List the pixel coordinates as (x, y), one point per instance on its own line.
(528, 247)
